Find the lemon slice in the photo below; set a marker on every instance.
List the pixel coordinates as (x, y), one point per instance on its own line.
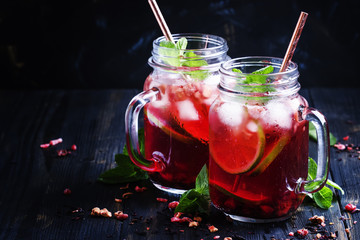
(238, 151)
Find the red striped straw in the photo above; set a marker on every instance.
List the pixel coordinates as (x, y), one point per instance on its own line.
(294, 40)
(161, 21)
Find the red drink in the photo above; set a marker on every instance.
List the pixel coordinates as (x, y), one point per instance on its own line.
(176, 99)
(270, 153)
(177, 127)
(258, 141)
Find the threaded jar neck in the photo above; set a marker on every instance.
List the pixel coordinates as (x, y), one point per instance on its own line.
(200, 47)
(246, 82)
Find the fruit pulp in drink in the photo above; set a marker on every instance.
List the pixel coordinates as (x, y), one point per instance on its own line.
(257, 153)
(176, 129)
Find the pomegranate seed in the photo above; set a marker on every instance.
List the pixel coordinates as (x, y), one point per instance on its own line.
(173, 204)
(74, 147)
(291, 234)
(350, 207)
(67, 191)
(346, 138)
(161, 200)
(217, 237)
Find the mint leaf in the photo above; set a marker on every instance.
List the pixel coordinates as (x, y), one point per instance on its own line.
(171, 52)
(334, 185)
(196, 200)
(181, 45)
(125, 170)
(313, 136)
(202, 182)
(175, 57)
(193, 202)
(257, 77)
(322, 198)
(237, 70)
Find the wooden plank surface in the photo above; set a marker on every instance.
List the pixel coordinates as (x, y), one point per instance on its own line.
(32, 180)
(343, 114)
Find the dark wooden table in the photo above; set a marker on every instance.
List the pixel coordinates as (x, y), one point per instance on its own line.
(32, 180)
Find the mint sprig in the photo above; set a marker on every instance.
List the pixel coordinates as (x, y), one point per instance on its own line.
(196, 200)
(322, 198)
(125, 170)
(257, 78)
(176, 55)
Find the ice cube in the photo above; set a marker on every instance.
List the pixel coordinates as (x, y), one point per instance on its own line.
(278, 113)
(187, 110)
(231, 114)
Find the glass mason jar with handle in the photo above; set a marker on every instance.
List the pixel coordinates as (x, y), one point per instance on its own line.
(258, 141)
(176, 99)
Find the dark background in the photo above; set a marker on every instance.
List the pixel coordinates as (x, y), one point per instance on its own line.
(106, 43)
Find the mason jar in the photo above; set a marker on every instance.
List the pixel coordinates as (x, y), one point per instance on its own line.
(175, 100)
(258, 141)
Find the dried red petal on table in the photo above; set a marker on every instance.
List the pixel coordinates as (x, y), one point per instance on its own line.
(56, 141)
(45, 145)
(340, 146)
(67, 191)
(119, 215)
(173, 204)
(350, 207)
(212, 228)
(140, 189)
(161, 199)
(303, 232)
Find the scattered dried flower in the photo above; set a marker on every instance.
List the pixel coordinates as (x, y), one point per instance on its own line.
(212, 228)
(67, 191)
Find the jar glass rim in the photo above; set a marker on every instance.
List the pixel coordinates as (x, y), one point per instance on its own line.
(217, 43)
(228, 66)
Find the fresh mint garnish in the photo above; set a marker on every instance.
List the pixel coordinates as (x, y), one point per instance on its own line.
(196, 200)
(313, 136)
(322, 198)
(257, 78)
(177, 56)
(125, 170)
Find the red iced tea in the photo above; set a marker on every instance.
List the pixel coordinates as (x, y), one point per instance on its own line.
(257, 154)
(258, 141)
(176, 99)
(177, 127)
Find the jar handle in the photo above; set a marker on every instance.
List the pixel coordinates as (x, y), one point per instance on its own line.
(155, 164)
(323, 151)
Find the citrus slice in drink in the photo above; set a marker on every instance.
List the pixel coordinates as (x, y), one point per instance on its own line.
(269, 155)
(169, 126)
(242, 196)
(237, 150)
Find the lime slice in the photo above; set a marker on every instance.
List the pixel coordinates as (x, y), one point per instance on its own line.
(270, 156)
(241, 195)
(170, 128)
(238, 151)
